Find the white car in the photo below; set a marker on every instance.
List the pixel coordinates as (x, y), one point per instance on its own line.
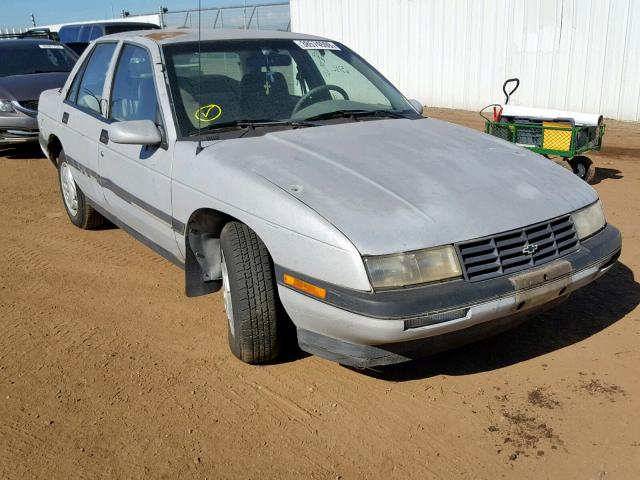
(286, 171)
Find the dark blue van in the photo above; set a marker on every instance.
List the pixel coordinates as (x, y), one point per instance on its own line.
(78, 36)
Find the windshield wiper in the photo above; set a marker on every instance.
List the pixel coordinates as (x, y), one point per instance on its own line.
(242, 124)
(357, 114)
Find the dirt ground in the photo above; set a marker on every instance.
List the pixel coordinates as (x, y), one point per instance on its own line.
(108, 371)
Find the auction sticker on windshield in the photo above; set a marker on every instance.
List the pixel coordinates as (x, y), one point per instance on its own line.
(316, 45)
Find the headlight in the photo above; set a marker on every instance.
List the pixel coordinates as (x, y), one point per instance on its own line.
(6, 107)
(411, 268)
(589, 220)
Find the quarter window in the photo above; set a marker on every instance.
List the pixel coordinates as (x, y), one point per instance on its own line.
(133, 95)
(89, 93)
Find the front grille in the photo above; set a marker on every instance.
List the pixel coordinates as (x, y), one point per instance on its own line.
(30, 104)
(505, 253)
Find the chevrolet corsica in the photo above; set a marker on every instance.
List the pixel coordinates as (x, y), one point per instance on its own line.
(287, 172)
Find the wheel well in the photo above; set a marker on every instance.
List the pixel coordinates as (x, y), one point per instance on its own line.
(54, 147)
(202, 251)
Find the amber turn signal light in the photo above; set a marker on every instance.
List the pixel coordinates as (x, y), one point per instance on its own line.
(305, 287)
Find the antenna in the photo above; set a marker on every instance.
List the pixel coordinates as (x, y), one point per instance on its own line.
(199, 147)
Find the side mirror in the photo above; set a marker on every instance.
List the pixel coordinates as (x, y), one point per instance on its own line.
(417, 106)
(135, 132)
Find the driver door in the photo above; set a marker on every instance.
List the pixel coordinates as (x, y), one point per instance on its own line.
(136, 178)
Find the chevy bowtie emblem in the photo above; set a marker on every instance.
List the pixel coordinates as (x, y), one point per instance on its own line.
(530, 249)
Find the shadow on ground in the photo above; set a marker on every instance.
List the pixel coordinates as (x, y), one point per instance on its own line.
(606, 174)
(24, 151)
(586, 312)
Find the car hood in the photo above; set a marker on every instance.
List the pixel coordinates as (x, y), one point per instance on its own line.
(401, 185)
(29, 87)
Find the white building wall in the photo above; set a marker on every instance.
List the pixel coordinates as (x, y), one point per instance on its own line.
(581, 55)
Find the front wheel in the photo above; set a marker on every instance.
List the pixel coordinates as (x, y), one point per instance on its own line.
(583, 167)
(80, 212)
(250, 299)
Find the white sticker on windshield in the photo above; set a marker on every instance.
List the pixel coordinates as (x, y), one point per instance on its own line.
(316, 45)
(50, 45)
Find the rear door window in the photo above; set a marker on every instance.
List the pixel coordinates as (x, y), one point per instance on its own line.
(69, 34)
(85, 33)
(89, 91)
(96, 32)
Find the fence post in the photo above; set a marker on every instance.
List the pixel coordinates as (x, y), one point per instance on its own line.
(253, 12)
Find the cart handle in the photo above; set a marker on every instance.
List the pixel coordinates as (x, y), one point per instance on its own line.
(504, 88)
(497, 112)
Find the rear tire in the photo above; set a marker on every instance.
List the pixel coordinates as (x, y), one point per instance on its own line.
(583, 167)
(256, 332)
(79, 211)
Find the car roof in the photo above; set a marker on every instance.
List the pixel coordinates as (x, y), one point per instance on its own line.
(170, 36)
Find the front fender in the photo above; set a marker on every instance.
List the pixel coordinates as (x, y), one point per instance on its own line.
(297, 238)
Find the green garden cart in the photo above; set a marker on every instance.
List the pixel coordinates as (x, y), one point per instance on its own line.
(552, 133)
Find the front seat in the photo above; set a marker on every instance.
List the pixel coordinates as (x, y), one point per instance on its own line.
(264, 96)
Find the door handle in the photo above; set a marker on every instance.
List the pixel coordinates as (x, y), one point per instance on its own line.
(104, 137)
(65, 117)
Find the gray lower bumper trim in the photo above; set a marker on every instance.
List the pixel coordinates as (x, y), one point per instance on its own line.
(366, 356)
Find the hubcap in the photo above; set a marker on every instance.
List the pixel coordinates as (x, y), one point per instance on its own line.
(69, 192)
(226, 292)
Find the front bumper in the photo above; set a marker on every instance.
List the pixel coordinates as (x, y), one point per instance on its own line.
(18, 128)
(368, 329)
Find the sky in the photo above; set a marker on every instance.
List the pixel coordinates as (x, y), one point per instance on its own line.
(16, 13)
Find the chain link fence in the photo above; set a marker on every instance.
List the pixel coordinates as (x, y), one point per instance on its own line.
(270, 16)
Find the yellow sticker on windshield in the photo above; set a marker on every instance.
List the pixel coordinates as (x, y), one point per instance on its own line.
(209, 113)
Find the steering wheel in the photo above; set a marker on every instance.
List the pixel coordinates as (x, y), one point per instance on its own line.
(307, 96)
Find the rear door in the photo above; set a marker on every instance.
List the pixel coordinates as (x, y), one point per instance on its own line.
(82, 118)
(137, 179)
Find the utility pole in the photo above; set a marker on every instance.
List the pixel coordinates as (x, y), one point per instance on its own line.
(244, 15)
(33, 19)
(162, 11)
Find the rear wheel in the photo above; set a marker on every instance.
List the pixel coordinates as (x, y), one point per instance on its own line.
(256, 332)
(583, 167)
(80, 213)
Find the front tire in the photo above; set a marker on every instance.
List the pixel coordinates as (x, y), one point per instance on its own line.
(255, 330)
(79, 211)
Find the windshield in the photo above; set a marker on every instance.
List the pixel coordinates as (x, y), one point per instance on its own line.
(274, 81)
(29, 57)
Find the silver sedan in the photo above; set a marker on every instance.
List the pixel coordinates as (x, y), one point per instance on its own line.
(284, 170)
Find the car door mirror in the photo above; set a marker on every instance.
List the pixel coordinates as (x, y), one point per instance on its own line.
(135, 132)
(417, 106)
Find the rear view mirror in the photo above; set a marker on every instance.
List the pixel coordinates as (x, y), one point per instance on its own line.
(269, 60)
(417, 106)
(135, 132)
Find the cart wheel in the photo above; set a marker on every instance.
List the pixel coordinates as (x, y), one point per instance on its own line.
(563, 162)
(583, 167)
